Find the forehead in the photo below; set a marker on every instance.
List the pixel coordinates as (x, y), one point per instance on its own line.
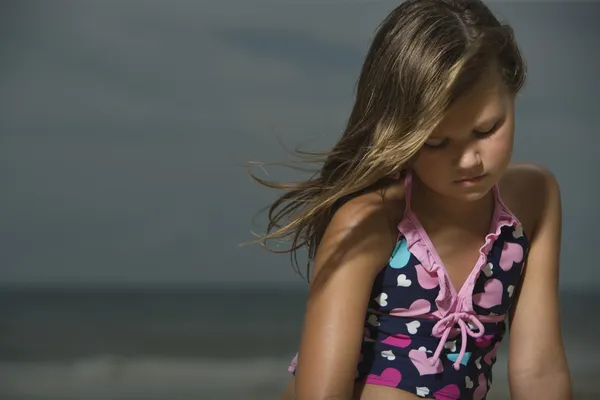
(489, 99)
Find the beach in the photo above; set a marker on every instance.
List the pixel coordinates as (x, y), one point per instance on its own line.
(193, 343)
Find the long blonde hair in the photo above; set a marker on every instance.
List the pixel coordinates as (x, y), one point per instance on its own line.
(424, 55)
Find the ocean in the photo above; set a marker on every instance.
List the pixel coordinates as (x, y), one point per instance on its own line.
(200, 343)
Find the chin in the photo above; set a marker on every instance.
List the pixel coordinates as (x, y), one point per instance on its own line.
(471, 194)
(472, 197)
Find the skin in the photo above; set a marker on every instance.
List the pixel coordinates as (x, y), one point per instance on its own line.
(361, 236)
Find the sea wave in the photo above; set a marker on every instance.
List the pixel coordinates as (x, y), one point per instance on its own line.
(115, 377)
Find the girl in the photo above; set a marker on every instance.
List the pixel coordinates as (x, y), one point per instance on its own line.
(423, 238)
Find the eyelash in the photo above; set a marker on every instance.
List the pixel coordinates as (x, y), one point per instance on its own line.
(479, 135)
(483, 135)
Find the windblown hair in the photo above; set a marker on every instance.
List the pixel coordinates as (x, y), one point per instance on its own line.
(423, 57)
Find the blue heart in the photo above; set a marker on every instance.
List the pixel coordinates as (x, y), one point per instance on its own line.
(453, 357)
(400, 255)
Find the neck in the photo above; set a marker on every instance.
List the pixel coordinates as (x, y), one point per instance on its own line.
(429, 202)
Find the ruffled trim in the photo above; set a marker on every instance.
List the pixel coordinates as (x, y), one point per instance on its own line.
(502, 217)
(420, 246)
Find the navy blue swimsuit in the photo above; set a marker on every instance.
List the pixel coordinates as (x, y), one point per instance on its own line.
(423, 336)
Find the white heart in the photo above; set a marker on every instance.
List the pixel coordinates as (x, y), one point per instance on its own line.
(422, 391)
(518, 232)
(382, 299)
(487, 270)
(451, 345)
(388, 354)
(424, 349)
(468, 383)
(413, 326)
(403, 281)
(510, 290)
(478, 363)
(373, 320)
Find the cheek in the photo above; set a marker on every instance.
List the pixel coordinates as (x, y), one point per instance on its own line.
(430, 166)
(499, 150)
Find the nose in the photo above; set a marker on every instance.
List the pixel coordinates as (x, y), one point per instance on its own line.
(468, 158)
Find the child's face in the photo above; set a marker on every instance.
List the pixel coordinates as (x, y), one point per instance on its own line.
(475, 140)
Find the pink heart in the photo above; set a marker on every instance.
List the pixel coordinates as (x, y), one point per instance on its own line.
(484, 341)
(488, 357)
(423, 363)
(398, 340)
(425, 279)
(481, 389)
(512, 253)
(491, 296)
(449, 392)
(418, 307)
(389, 377)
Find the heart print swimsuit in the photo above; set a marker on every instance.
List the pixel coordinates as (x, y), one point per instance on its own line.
(423, 336)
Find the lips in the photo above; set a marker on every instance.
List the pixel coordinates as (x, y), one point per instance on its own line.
(474, 178)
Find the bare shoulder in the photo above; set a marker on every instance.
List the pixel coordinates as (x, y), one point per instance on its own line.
(365, 226)
(529, 179)
(527, 189)
(376, 205)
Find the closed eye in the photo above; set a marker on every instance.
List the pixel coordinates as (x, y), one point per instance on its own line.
(436, 143)
(440, 143)
(488, 133)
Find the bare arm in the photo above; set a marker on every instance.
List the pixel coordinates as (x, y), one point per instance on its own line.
(355, 247)
(537, 364)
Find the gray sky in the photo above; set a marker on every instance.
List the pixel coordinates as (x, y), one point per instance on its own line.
(124, 126)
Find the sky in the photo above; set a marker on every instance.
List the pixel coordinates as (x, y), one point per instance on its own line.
(125, 127)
